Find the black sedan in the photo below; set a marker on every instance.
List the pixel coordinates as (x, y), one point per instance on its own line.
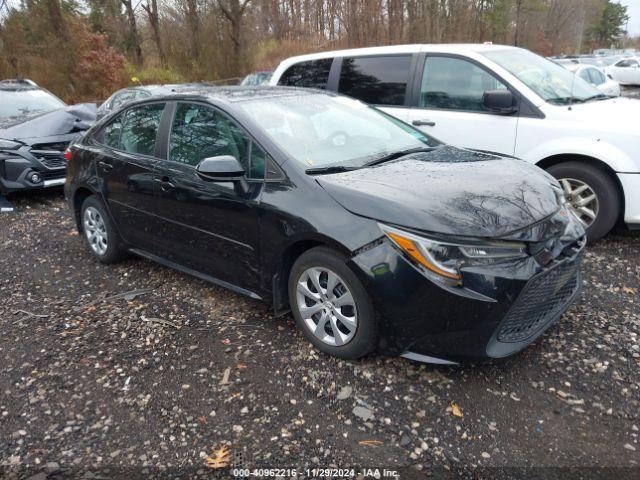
(373, 234)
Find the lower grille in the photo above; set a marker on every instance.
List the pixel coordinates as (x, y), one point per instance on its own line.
(541, 300)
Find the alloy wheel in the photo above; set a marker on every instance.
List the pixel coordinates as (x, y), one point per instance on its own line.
(95, 230)
(582, 200)
(327, 306)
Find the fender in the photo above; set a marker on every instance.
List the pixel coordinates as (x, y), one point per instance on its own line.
(598, 149)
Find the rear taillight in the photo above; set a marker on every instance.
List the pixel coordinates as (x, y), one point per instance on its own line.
(67, 154)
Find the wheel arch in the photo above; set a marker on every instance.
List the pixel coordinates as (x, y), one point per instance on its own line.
(552, 160)
(79, 196)
(288, 256)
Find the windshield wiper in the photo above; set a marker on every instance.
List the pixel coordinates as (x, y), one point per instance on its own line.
(566, 100)
(329, 169)
(398, 154)
(599, 96)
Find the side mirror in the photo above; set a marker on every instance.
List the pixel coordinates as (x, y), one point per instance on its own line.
(499, 101)
(222, 168)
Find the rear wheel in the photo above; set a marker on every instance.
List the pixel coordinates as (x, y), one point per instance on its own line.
(331, 306)
(99, 231)
(592, 195)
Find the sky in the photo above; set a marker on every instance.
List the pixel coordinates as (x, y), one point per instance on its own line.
(633, 10)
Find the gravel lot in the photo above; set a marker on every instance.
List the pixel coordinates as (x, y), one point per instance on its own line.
(91, 382)
(146, 385)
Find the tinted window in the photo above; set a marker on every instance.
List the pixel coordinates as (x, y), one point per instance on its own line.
(199, 132)
(140, 127)
(377, 80)
(311, 74)
(455, 84)
(111, 133)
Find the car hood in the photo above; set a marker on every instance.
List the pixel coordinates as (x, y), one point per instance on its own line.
(72, 119)
(613, 116)
(450, 191)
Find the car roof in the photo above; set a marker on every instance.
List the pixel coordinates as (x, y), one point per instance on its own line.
(17, 84)
(234, 94)
(454, 48)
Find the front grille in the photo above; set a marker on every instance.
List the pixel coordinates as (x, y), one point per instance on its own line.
(52, 162)
(541, 300)
(57, 146)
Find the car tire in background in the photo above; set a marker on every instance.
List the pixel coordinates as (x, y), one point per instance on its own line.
(331, 306)
(99, 232)
(589, 190)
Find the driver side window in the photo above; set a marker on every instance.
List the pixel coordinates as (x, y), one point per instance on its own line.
(455, 84)
(199, 132)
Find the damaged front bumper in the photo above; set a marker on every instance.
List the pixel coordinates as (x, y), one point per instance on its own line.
(33, 167)
(498, 310)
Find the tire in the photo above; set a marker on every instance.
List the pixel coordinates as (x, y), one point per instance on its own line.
(94, 214)
(605, 189)
(353, 339)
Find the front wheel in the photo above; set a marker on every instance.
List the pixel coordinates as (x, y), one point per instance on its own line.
(331, 306)
(592, 195)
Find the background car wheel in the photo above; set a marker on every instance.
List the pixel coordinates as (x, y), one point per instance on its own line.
(331, 306)
(99, 232)
(592, 194)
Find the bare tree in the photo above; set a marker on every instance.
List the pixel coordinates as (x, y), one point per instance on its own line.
(133, 42)
(234, 10)
(151, 7)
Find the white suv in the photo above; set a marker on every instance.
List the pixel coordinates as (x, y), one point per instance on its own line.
(500, 99)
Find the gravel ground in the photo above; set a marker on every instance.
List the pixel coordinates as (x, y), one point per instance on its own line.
(149, 384)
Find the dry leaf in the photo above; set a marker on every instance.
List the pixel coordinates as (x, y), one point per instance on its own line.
(370, 443)
(202, 419)
(628, 290)
(241, 366)
(455, 410)
(219, 458)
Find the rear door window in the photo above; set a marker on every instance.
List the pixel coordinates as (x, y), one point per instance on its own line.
(597, 77)
(379, 80)
(455, 84)
(140, 128)
(584, 74)
(311, 74)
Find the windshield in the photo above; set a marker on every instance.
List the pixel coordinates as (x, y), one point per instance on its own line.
(22, 103)
(552, 82)
(322, 130)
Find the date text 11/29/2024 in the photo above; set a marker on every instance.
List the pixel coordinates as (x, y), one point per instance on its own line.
(363, 473)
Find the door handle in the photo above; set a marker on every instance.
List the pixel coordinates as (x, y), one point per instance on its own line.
(166, 184)
(423, 123)
(106, 166)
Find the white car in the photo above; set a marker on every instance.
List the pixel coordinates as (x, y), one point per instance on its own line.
(501, 99)
(625, 71)
(596, 77)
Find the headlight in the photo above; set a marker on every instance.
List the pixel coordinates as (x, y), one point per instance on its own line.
(9, 144)
(445, 259)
